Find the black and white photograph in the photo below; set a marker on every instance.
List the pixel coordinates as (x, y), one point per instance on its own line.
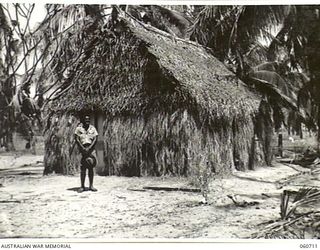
(161, 122)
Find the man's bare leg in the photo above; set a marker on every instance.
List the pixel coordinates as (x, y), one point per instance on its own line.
(82, 179)
(91, 174)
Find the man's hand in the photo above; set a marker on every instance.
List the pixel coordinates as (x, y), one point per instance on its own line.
(83, 150)
(86, 151)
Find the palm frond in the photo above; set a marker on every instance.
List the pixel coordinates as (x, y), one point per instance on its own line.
(212, 27)
(303, 197)
(294, 35)
(269, 89)
(275, 80)
(235, 29)
(265, 66)
(161, 17)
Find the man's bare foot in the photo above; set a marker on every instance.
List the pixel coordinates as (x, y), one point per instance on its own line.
(82, 189)
(93, 189)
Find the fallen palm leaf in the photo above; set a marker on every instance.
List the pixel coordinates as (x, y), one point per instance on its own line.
(242, 203)
(303, 197)
(292, 224)
(194, 190)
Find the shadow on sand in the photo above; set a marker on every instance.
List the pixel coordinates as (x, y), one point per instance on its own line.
(75, 189)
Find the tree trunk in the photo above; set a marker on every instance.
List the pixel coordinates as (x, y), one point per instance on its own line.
(318, 135)
(10, 130)
(9, 142)
(280, 144)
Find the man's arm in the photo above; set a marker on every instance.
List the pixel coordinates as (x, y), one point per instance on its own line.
(92, 145)
(94, 141)
(81, 147)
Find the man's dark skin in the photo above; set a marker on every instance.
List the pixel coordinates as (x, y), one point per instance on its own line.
(86, 150)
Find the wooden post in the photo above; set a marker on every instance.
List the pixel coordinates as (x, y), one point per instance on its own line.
(301, 131)
(280, 145)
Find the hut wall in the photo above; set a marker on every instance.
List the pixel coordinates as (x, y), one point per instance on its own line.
(172, 144)
(61, 153)
(162, 144)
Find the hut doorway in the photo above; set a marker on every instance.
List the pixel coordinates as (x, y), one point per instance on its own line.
(97, 119)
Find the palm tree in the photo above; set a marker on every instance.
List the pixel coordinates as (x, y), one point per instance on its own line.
(299, 36)
(235, 34)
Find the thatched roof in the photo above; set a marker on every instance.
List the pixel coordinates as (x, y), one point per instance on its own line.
(145, 68)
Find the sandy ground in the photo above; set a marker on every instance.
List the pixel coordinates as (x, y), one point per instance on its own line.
(34, 206)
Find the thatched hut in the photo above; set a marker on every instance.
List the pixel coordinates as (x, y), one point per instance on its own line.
(162, 106)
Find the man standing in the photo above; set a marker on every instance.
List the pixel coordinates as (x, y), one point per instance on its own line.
(86, 138)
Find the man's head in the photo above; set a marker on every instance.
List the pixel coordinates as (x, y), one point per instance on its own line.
(85, 120)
